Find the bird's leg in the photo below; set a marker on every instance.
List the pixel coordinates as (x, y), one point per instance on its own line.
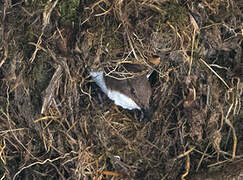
(100, 99)
(140, 114)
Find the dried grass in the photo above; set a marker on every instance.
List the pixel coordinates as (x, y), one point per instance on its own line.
(56, 124)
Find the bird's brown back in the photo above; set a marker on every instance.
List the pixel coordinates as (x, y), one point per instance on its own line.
(136, 87)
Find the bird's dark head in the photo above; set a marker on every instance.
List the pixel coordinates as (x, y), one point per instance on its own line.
(140, 91)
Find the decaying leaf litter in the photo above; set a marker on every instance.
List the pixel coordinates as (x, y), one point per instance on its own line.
(54, 122)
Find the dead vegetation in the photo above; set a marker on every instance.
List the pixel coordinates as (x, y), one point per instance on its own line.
(53, 124)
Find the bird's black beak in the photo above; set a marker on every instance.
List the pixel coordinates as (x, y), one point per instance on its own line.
(147, 114)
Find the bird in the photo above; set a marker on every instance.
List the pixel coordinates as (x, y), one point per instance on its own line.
(129, 88)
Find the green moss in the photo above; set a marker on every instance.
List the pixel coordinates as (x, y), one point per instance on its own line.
(40, 73)
(37, 77)
(67, 9)
(113, 39)
(36, 4)
(176, 14)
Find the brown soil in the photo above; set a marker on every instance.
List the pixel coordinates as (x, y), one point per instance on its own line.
(53, 123)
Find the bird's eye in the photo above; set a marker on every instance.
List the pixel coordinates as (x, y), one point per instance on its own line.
(133, 91)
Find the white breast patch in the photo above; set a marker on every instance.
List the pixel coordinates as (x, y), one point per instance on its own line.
(119, 99)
